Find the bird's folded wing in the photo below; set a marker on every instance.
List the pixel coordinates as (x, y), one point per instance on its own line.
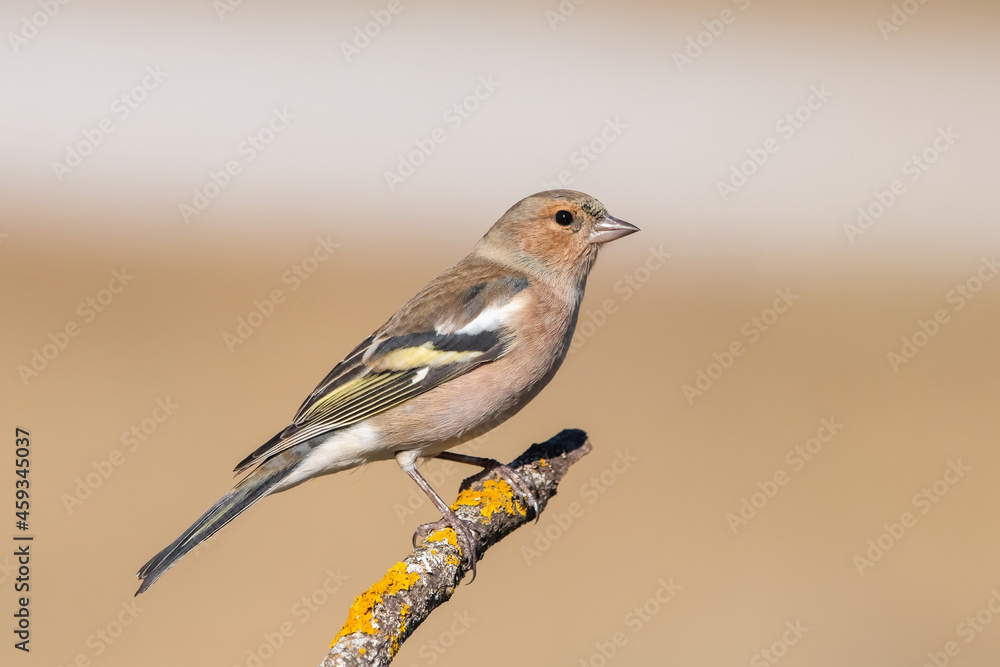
(413, 353)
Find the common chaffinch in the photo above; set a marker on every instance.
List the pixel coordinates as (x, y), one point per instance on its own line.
(468, 351)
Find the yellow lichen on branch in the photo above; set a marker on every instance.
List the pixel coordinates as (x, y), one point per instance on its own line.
(403, 613)
(387, 614)
(361, 614)
(444, 535)
(495, 496)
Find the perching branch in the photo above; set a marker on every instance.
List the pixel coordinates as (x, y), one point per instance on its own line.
(385, 615)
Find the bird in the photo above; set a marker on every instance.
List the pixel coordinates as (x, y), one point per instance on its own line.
(467, 352)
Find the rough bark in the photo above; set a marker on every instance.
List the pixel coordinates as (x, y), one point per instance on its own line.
(382, 617)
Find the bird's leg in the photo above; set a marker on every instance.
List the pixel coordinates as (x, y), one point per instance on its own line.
(516, 482)
(466, 538)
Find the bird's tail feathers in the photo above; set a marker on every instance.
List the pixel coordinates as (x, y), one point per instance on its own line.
(251, 489)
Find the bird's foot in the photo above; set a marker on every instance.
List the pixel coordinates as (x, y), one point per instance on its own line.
(465, 538)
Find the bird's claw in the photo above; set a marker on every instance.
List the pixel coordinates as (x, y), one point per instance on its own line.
(466, 539)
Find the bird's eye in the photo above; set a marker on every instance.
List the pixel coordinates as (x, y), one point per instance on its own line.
(564, 218)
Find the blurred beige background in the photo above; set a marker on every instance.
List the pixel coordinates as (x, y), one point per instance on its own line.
(890, 108)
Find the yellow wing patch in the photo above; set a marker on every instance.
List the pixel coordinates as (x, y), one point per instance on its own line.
(359, 388)
(422, 356)
(370, 392)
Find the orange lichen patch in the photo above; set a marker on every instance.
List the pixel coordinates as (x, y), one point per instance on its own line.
(542, 462)
(496, 496)
(451, 560)
(361, 616)
(444, 535)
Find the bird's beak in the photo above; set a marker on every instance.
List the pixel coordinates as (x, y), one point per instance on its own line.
(610, 228)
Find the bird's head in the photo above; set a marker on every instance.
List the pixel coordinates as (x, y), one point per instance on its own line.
(558, 231)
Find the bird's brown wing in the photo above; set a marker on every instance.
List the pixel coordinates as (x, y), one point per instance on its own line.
(420, 348)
